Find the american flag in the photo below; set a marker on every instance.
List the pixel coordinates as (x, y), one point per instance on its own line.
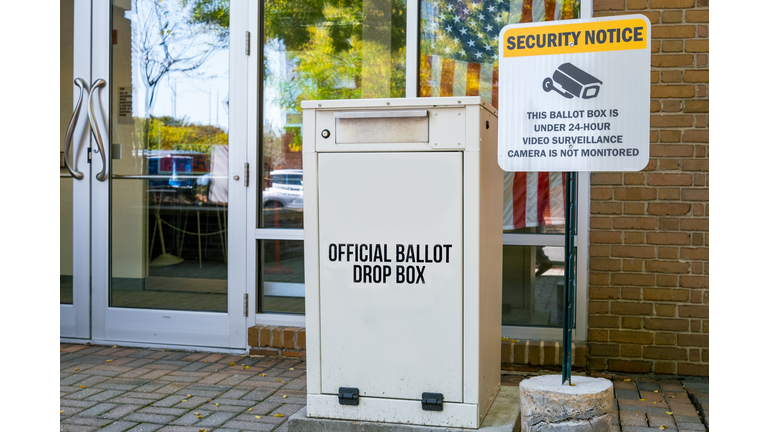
(459, 57)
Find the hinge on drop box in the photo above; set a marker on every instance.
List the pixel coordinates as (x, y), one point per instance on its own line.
(349, 396)
(432, 401)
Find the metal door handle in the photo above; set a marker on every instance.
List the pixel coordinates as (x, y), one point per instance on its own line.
(95, 129)
(71, 129)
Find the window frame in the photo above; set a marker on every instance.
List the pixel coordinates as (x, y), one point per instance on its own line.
(257, 234)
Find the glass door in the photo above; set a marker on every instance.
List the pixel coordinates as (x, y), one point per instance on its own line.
(166, 179)
(74, 169)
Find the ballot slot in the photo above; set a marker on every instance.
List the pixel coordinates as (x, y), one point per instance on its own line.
(375, 127)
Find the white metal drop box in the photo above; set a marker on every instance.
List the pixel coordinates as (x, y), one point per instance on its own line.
(403, 250)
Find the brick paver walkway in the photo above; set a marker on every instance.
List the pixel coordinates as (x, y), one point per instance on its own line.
(122, 389)
(137, 390)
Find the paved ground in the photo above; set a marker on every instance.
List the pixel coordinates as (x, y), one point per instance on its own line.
(137, 390)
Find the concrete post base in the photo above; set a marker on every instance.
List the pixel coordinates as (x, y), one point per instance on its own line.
(547, 405)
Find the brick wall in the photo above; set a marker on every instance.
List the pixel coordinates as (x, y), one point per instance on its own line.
(649, 238)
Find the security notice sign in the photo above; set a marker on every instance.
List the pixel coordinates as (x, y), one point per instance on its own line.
(575, 96)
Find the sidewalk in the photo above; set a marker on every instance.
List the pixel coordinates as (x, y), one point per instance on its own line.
(125, 389)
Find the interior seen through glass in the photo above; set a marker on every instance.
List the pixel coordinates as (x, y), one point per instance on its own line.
(170, 148)
(313, 50)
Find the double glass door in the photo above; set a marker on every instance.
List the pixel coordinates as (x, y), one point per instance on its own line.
(152, 181)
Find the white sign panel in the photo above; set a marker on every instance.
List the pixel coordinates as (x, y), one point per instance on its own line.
(575, 95)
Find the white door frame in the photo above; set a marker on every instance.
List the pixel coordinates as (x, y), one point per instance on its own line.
(75, 318)
(148, 327)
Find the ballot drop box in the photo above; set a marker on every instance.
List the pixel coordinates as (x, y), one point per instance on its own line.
(403, 253)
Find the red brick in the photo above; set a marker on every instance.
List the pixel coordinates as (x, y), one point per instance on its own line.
(667, 266)
(665, 294)
(701, 253)
(264, 351)
(666, 280)
(253, 336)
(671, 150)
(666, 368)
(634, 366)
(598, 307)
(692, 369)
(634, 178)
(671, 76)
(629, 322)
(634, 193)
(633, 251)
(669, 194)
(599, 250)
(603, 321)
(632, 279)
(604, 264)
(690, 194)
(696, 106)
(665, 309)
(668, 209)
(288, 334)
(669, 238)
(695, 224)
(631, 350)
(703, 31)
(606, 178)
(606, 350)
(631, 308)
(667, 252)
(697, 46)
(635, 337)
(669, 324)
(696, 165)
(596, 278)
(637, 4)
(672, 91)
(605, 237)
(694, 281)
(634, 237)
(294, 353)
(696, 136)
(698, 16)
(665, 338)
(670, 135)
(696, 76)
(634, 208)
(673, 32)
(277, 337)
(671, 17)
(643, 223)
(600, 223)
(671, 60)
(672, 4)
(657, 179)
(604, 292)
(665, 353)
(693, 311)
(265, 333)
(607, 5)
(631, 293)
(597, 335)
(301, 339)
(688, 339)
(605, 208)
(601, 193)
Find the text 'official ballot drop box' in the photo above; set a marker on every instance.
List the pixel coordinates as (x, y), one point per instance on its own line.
(403, 256)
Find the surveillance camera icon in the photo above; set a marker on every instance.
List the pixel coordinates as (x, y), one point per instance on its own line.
(569, 81)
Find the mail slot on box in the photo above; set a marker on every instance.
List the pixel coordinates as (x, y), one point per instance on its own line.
(403, 223)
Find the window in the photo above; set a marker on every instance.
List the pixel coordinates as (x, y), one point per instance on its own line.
(313, 49)
(458, 56)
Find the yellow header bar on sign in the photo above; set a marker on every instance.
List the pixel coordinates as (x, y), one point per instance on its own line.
(595, 36)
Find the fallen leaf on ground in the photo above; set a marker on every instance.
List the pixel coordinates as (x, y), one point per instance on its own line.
(278, 415)
(662, 427)
(249, 409)
(627, 380)
(114, 346)
(232, 364)
(655, 391)
(246, 367)
(108, 361)
(262, 374)
(61, 412)
(290, 369)
(644, 400)
(184, 400)
(189, 395)
(217, 404)
(285, 396)
(81, 386)
(669, 412)
(77, 369)
(257, 416)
